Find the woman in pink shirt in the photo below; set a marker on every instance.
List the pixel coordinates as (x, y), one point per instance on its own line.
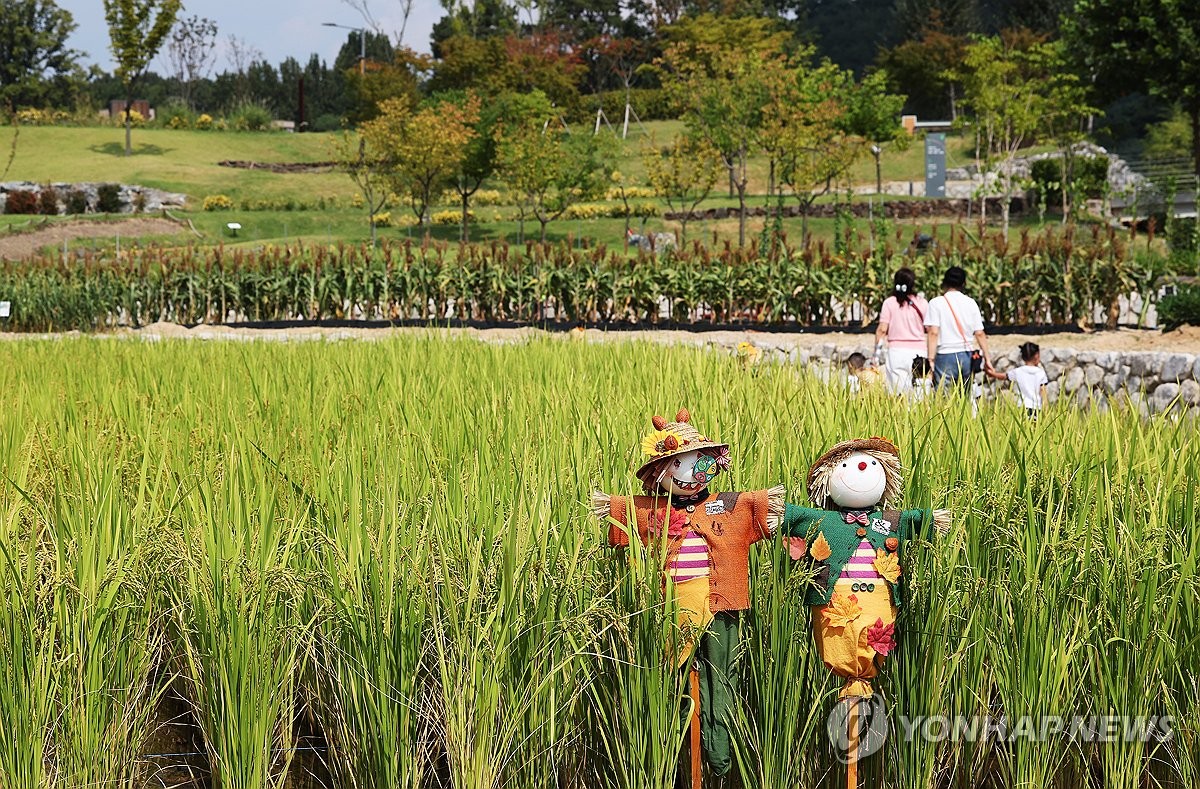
(902, 328)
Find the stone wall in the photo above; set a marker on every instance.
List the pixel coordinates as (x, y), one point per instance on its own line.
(1151, 382)
(152, 199)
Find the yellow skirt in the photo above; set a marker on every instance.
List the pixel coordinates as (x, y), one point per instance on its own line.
(854, 632)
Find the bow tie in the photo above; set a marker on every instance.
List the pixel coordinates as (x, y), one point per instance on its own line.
(855, 517)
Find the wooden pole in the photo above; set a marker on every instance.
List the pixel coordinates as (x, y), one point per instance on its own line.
(852, 745)
(694, 681)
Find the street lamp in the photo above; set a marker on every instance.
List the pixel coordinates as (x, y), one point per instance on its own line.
(362, 43)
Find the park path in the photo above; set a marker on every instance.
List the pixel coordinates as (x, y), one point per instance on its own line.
(20, 245)
(1183, 340)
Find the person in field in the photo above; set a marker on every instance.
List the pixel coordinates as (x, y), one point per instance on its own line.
(708, 536)
(1030, 379)
(953, 325)
(856, 541)
(900, 336)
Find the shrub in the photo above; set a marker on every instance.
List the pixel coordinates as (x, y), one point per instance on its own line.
(325, 123)
(108, 199)
(218, 203)
(356, 201)
(136, 119)
(631, 193)
(48, 201)
(139, 202)
(204, 122)
(251, 117)
(1183, 235)
(176, 116)
(1181, 307)
(34, 117)
(21, 201)
(587, 211)
(77, 202)
(450, 217)
(383, 219)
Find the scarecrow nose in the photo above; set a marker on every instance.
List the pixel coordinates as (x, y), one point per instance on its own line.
(862, 465)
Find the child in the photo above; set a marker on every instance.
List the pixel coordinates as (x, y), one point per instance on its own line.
(860, 376)
(1030, 379)
(922, 385)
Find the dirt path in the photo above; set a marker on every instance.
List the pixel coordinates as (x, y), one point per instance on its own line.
(16, 246)
(1185, 340)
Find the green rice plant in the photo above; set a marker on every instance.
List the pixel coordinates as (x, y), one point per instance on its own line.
(237, 623)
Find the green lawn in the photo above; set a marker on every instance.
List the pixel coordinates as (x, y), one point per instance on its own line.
(186, 161)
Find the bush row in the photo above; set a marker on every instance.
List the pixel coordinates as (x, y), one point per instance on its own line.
(1059, 278)
(50, 202)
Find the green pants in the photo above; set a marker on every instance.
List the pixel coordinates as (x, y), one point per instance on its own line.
(716, 650)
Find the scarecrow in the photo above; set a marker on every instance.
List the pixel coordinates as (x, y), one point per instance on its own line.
(707, 559)
(856, 545)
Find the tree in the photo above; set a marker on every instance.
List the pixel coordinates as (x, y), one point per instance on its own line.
(366, 164)
(550, 169)
(379, 81)
(683, 173)
(924, 68)
(1006, 91)
(1148, 45)
(872, 113)
(192, 52)
(33, 50)
(136, 31)
(423, 150)
(722, 98)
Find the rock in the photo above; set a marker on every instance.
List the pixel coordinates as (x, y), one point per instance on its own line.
(1189, 392)
(1177, 367)
(1053, 370)
(1073, 379)
(1086, 357)
(1113, 382)
(1196, 369)
(1093, 374)
(1164, 396)
(1143, 365)
(1134, 384)
(1052, 391)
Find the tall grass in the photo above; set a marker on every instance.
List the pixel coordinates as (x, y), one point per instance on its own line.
(384, 549)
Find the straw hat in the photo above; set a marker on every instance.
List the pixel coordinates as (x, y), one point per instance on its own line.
(881, 449)
(673, 438)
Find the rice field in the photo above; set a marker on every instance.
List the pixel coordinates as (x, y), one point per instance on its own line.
(372, 565)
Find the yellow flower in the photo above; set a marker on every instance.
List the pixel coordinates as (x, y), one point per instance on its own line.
(821, 550)
(656, 443)
(842, 610)
(888, 566)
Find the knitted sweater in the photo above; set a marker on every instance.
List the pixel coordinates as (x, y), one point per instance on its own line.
(729, 523)
(832, 542)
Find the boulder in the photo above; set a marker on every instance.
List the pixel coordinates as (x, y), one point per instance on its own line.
(1093, 374)
(1073, 379)
(1177, 367)
(1189, 393)
(1163, 397)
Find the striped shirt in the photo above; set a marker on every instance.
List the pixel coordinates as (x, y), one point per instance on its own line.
(862, 564)
(692, 560)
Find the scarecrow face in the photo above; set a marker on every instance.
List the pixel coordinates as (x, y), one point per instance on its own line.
(857, 482)
(687, 474)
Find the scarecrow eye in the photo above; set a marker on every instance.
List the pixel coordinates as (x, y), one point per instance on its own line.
(843, 465)
(874, 463)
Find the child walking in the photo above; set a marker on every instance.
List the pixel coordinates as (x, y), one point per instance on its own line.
(1030, 379)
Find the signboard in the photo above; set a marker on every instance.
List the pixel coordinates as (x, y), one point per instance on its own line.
(5, 309)
(935, 164)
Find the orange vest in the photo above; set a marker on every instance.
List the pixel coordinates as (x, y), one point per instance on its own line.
(729, 523)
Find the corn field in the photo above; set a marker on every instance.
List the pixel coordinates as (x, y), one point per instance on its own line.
(372, 565)
(1058, 277)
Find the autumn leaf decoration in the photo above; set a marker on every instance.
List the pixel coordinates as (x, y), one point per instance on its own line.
(842, 610)
(820, 549)
(881, 637)
(888, 566)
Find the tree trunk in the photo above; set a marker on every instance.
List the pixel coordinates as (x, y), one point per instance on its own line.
(1195, 113)
(741, 194)
(465, 215)
(543, 223)
(129, 126)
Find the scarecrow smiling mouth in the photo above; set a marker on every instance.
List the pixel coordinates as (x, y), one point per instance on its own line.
(687, 486)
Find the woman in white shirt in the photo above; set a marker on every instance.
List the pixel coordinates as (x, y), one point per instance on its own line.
(950, 323)
(902, 328)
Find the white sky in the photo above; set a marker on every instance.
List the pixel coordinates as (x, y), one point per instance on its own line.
(277, 28)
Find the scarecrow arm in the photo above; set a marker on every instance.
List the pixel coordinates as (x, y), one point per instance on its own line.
(613, 511)
(799, 521)
(924, 523)
(775, 509)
